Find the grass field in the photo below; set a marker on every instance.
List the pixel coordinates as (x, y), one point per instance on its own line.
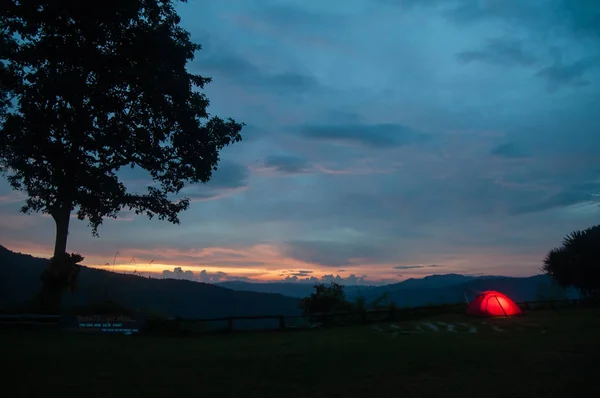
(543, 354)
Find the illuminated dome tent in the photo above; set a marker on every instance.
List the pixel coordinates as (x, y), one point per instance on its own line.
(492, 303)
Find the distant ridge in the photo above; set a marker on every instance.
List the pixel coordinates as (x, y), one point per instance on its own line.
(433, 289)
(19, 282)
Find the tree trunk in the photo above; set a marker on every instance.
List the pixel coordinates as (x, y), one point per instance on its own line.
(61, 218)
(49, 298)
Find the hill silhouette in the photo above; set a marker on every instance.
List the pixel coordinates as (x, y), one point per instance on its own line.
(303, 289)
(430, 290)
(20, 281)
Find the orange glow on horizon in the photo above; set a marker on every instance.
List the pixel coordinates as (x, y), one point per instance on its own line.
(269, 263)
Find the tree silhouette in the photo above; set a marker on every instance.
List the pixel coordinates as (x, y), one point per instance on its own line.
(324, 300)
(88, 88)
(577, 262)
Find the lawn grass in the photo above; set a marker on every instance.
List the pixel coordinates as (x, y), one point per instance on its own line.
(543, 354)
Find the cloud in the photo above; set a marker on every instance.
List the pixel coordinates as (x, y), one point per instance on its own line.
(12, 197)
(500, 51)
(335, 253)
(544, 23)
(573, 74)
(369, 135)
(207, 195)
(416, 266)
(474, 11)
(207, 277)
(285, 15)
(291, 24)
(229, 178)
(239, 70)
(203, 276)
(558, 200)
(229, 174)
(17, 221)
(297, 274)
(583, 17)
(328, 278)
(287, 164)
(179, 273)
(509, 150)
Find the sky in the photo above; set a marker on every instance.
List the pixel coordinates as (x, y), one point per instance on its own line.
(384, 139)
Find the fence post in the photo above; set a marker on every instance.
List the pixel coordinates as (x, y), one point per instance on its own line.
(281, 322)
(230, 324)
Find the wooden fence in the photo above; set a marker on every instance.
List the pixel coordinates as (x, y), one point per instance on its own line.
(282, 322)
(29, 321)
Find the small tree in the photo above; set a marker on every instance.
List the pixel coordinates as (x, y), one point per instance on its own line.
(550, 290)
(383, 302)
(326, 299)
(87, 88)
(360, 304)
(577, 262)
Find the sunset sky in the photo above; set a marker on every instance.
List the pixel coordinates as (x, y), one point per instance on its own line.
(385, 139)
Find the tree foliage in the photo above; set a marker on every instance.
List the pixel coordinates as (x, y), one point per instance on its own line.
(577, 261)
(325, 299)
(383, 302)
(550, 290)
(97, 86)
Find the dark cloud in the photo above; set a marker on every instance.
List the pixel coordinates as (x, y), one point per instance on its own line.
(416, 266)
(580, 17)
(286, 15)
(333, 254)
(229, 175)
(341, 116)
(509, 150)
(299, 273)
(544, 20)
(583, 17)
(368, 135)
(244, 73)
(514, 12)
(501, 51)
(559, 200)
(286, 164)
(465, 12)
(253, 133)
(574, 74)
(408, 4)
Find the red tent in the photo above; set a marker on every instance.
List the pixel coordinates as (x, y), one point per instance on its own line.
(492, 303)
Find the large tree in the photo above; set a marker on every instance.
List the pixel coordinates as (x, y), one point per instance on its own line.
(577, 261)
(90, 87)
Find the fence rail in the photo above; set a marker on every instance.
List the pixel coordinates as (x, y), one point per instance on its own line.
(228, 324)
(28, 321)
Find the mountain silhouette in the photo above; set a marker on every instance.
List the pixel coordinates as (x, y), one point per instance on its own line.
(20, 281)
(430, 290)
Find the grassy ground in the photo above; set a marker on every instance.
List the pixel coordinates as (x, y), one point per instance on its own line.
(544, 354)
